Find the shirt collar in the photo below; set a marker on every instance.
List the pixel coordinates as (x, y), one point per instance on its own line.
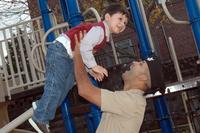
(138, 91)
(107, 31)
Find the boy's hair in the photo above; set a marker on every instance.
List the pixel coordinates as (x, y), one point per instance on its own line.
(116, 8)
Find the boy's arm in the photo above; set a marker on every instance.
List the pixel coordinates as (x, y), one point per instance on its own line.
(91, 39)
(85, 87)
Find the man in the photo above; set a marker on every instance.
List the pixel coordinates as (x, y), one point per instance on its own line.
(123, 111)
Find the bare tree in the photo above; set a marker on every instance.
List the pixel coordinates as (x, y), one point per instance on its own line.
(13, 11)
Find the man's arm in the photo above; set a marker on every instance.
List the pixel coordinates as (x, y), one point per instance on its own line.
(85, 88)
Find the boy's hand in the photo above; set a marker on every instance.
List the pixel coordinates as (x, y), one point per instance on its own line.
(96, 76)
(99, 72)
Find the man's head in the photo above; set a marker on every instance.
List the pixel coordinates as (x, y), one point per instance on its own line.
(138, 76)
(145, 74)
(116, 17)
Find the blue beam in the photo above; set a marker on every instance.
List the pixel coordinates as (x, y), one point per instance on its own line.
(44, 10)
(64, 10)
(193, 9)
(95, 111)
(146, 51)
(163, 115)
(90, 125)
(74, 14)
(51, 37)
(68, 121)
(145, 48)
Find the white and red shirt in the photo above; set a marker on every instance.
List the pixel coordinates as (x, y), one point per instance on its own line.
(96, 37)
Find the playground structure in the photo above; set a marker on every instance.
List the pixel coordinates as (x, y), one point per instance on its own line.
(25, 76)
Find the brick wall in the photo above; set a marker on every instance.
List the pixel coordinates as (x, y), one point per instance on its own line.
(181, 34)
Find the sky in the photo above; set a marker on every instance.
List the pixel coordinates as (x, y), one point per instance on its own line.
(11, 14)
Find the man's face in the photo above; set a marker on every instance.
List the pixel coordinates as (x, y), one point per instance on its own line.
(136, 70)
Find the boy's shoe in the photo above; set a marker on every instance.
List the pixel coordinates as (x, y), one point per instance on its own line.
(40, 128)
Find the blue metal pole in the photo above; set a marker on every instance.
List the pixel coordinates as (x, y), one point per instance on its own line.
(193, 9)
(163, 115)
(68, 121)
(145, 48)
(75, 17)
(146, 52)
(44, 10)
(64, 10)
(90, 125)
(71, 14)
(51, 37)
(96, 115)
(95, 111)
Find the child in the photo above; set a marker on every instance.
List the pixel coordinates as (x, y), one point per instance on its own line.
(59, 62)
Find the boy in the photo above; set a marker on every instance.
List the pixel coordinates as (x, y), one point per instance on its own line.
(59, 62)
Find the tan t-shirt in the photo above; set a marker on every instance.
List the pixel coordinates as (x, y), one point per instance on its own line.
(123, 111)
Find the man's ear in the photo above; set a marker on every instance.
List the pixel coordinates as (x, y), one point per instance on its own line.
(107, 16)
(143, 77)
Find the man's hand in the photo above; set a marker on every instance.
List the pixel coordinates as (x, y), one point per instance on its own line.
(78, 38)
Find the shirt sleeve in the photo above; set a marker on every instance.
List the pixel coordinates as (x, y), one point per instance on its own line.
(122, 102)
(90, 40)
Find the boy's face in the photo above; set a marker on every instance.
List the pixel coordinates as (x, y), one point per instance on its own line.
(117, 22)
